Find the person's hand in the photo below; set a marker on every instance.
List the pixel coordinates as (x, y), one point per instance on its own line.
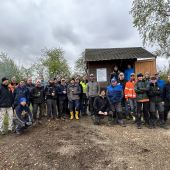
(105, 113)
(28, 123)
(100, 112)
(53, 94)
(64, 92)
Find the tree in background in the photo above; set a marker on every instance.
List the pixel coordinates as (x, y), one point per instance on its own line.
(53, 60)
(80, 65)
(152, 19)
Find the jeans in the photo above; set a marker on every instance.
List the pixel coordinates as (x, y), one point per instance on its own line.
(133, 106)
(51, 108)
(117, 109)
(91, 101)
(167, 109)
(63, 105)
(74, 105)
(84, 104)
(35, 110)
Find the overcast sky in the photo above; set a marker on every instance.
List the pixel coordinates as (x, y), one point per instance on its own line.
(27, 26)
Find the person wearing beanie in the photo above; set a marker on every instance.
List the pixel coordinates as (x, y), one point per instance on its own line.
(6, 103)
(101, 107)
(155, 101)
(23, 117)
(93, 89)
(73, 94)
(115, 95)
(141, 89)
(130, 95)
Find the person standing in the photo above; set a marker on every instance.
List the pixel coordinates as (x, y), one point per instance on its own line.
(6, 102)
(93, 90)
(38, 97)
(73, 94)
(115, 95)
(128, 72)
(51, 95)
(115, 73)
(142, 100)
(62, 98)
(13, 84)
(166, 97)
(30, 86)
(156, 103)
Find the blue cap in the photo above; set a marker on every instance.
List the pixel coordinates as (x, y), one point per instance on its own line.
(113, 80)
(23, 99)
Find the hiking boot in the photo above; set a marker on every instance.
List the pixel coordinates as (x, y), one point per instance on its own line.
(139, 127)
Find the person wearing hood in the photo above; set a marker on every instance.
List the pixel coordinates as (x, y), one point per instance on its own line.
(6, 102)
(23, 117)
(73, 94)
(51, 96)
(19, 92)
(115, 95)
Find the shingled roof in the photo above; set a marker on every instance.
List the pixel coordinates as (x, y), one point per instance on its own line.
(102, 54)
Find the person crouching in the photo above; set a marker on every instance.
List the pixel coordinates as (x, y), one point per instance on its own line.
(23, 116)
(101, 107)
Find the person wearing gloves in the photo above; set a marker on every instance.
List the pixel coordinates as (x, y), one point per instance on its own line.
(73, 94)
(115, 95)
(23, 117)
(101, 107)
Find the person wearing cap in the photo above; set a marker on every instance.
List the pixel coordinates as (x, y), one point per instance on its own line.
(23, 118)
(21, 91)
(38, 98)
(115, 95)
(6, 102)
(84, 95)
(101, 107)
(125, 103)
(130, 95)
(73, 94)
(156, 103)
(141, 89)
(13, 84)
(51, 96)
(128, 72)
(166, 97)
(62, 98)
(93, 90)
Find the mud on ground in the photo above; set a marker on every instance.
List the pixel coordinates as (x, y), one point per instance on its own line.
(80, 145)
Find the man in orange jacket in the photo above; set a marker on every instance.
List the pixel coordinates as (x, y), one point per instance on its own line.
(130, 94)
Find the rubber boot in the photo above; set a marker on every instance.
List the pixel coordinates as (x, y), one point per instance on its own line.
(71, 115)
(76, 115)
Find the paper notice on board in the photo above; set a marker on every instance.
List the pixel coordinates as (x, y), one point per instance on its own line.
(101, 74)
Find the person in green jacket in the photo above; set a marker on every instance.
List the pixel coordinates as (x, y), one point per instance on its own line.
(142, 99)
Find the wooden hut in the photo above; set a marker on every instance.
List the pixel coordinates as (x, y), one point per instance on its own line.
(101, 62)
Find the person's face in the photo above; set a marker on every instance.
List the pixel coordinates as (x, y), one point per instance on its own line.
(62, 81)
(51, 82)
(153, 81)
(23, 103)
(115, 68)
(29, 81)
(13, 81)
(72, 81)
(114, 83)
(77, 81)
(22, 83)
(103, 93)
(168, 78)
(91, 77)
(85, 78)
(129, 66)
(147, 75)
(121, 76)
(38, 83)
(5, 82)
(140, 78)
(55, 81)
(132, 77)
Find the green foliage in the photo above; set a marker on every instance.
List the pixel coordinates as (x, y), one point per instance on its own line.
(80, 65)
(165, 72)
(152, 19)
(54, 61)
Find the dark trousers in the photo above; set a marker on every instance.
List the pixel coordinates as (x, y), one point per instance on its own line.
(142, 107)
(84, 104)
(51, 108)
(74, 105)
(117, 109)
(167, 109)
(91, 108)
(35, 110)
(63, 105)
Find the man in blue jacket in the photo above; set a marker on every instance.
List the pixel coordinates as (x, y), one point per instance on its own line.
(115, 95)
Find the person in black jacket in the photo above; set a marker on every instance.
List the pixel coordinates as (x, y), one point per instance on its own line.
(30, 86)
(38, 97)
(51, 96)
(62, 97)
(101, 107)
(156, 102)
(6, 102)
(166, 97)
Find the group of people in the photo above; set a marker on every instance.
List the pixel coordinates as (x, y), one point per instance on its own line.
(145, 100)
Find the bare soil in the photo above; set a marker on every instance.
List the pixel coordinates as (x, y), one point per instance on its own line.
(80, 145)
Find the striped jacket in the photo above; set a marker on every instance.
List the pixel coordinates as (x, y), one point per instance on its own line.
(130, 90)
